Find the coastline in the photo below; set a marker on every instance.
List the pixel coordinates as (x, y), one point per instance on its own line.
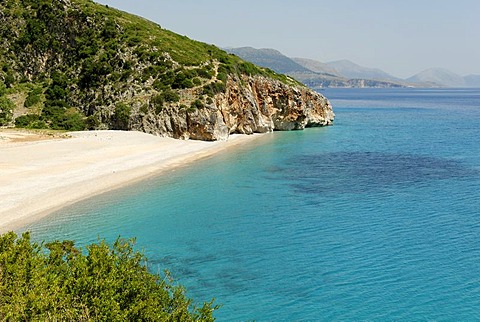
(41, 174)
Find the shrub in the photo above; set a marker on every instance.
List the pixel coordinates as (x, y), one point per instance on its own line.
(36, 91)
(158, 85)
(6, 110)
(122, 116)
(226, 69)
(73, 121)
(224, 58)
(170, 96)
(187, 83)
(56, 92)
(196, 81)
(31, 100)
(109, 30)
(9, 80)
(213, 88)
(25, 120)
(39, 124)
(134, 40)
(207, 90)
(248, 68)
(219, 87)
(205, 73)
(115, 76)
(53, 109)
(144, 109)
(157, 102)
(126, 75)
(59, 117)
(222, 76)
(197, 104)
(58, 88)
(92, 122)
(182, 80)
(57, 282)
(168, 78)
(151, 71)
(190, 73)
(31, 121)
(3, 88)
(94, 72)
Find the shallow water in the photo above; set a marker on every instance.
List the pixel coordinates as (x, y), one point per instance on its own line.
(375, 218)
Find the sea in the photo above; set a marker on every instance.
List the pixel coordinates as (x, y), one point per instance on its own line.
(374, 218)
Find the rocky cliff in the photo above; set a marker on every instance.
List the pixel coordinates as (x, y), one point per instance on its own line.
(74, 65)
(249, 105)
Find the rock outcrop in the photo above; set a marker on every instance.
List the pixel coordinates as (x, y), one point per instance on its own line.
(249, 105)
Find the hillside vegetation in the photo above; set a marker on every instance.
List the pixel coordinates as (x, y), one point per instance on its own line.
(75, 64)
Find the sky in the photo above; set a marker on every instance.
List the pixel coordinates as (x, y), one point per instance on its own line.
(401, 37)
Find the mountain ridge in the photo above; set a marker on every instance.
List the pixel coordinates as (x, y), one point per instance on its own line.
(345, 73)
(446, 78)
(310, 72)
(268, 58)
(351, 70)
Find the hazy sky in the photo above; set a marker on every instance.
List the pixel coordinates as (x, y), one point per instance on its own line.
(402, 37)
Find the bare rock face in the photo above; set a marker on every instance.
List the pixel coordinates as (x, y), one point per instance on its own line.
(270, 105)
(248, 105)
(207, 124)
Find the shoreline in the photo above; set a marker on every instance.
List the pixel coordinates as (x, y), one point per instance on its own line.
(40, 175)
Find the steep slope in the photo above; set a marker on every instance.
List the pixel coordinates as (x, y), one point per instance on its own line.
(75, 64)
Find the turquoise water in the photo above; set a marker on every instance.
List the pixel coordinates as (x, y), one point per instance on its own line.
(375, 218)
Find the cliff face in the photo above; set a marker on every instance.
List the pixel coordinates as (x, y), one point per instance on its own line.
(77, 65)
(249, 105)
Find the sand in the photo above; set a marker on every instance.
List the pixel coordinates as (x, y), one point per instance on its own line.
(41, 173)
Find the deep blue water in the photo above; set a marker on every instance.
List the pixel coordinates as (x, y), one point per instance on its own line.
(374, 218)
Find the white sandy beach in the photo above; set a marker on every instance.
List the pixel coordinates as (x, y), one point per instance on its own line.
(41, 174)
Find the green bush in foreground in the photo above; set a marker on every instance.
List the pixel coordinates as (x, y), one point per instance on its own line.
(57, 282)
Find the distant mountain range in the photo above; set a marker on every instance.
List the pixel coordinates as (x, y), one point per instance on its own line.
(445, 78)
(344, 73)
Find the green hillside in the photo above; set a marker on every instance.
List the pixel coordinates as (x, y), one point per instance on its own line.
(75, 64)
